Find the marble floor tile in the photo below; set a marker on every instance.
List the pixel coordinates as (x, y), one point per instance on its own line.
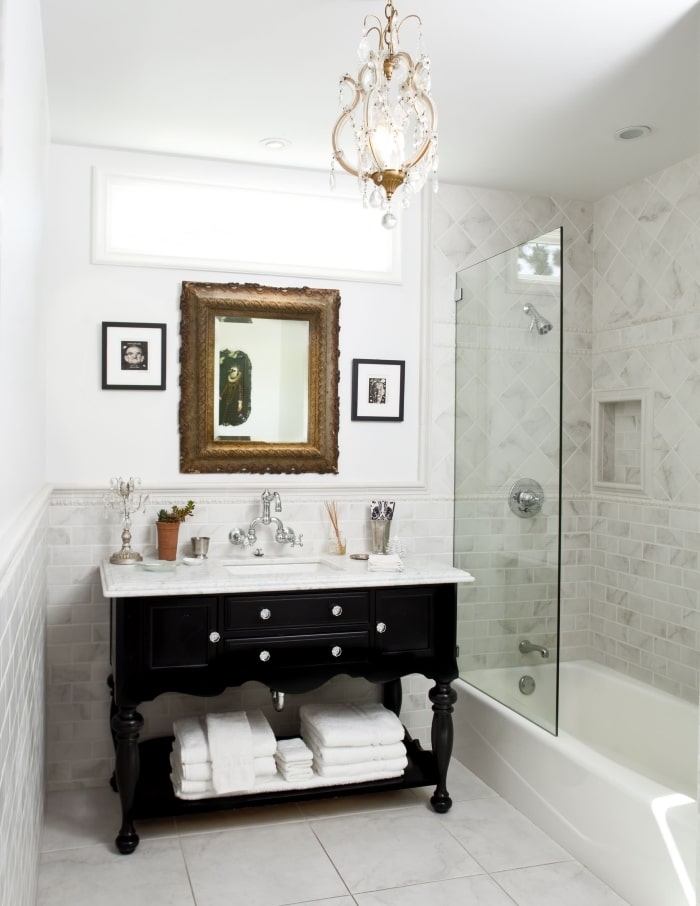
(352, 805)
(499, 836)
(74, 818)
(555, 885)
(406, 846)
(154, 875)
(264, 866)
(209, 822)
(478, 890)
(461, 784)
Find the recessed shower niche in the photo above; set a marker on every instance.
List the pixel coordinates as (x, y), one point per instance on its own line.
(622, 441)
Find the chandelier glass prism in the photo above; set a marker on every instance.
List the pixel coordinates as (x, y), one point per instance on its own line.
(386, 134)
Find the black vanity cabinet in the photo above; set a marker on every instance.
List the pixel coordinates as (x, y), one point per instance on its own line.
(292, 642)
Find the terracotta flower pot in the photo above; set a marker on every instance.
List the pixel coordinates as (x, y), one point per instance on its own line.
(167, 540)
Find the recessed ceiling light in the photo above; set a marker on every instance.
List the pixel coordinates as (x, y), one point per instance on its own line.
(275, 144)
(629, 133)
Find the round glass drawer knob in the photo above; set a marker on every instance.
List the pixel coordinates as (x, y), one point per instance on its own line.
(337, 610)
(264, 656)
(214, 637)
(265, 613)
(336, 651)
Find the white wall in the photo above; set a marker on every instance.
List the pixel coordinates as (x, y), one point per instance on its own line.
(24, 152)
(95, 434)
(24, 131)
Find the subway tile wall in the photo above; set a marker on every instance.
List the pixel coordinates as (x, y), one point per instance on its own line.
(22, 613)
(645, 580)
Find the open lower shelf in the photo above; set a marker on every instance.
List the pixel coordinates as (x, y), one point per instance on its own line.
(155, 797)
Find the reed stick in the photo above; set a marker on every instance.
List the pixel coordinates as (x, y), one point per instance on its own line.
(332, 510)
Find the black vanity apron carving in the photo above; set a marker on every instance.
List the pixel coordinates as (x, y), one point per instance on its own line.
(292, 642)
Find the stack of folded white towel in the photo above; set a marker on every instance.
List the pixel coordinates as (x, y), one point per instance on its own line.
(221, 753)
(294, 759)
(352, 741)
(384, 563)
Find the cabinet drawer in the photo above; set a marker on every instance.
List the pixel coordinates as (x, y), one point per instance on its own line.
(287, 611)
(290, 651)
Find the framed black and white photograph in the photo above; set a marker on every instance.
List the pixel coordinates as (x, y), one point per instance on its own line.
(133, 356)
(377, 390)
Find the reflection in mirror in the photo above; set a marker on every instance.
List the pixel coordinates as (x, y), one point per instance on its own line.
(259, 379)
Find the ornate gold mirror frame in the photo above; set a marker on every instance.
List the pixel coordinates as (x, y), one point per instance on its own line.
(269, 356)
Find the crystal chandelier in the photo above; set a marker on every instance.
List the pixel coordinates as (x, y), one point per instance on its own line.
(388, 118)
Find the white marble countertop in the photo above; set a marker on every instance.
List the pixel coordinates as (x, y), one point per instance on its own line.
(248, 574)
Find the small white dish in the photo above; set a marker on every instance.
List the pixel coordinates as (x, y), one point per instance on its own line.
(159, 566)
(193, 561)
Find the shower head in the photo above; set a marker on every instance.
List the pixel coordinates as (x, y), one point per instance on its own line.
(541, 325)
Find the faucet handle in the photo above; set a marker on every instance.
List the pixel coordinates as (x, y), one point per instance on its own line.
(238, 536)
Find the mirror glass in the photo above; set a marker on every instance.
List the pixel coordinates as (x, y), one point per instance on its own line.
(259, 378)
(261, 375)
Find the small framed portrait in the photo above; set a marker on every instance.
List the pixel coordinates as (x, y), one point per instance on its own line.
(377, 390)
(133, 356)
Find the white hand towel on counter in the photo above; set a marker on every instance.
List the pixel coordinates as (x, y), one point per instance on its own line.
(384, 563)
(348, 724)
(350, 754)
(231, 751)
(392, 767)
(192, 740)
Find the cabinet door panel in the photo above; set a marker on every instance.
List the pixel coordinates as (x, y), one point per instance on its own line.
(404, 619)
(178, 632)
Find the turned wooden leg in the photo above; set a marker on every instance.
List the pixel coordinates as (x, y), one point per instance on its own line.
(393, 694)
(443, 697)
(126, 726)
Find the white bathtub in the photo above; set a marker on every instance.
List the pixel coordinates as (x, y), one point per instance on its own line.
(616, 787)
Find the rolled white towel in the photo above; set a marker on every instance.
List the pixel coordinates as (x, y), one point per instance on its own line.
(294, 750)
(384, 563)
(191, 740)
(390, 767)
(350, 754)
(349, 724)
(231, 750)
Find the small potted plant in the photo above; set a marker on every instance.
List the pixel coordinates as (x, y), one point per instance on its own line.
(168, 528)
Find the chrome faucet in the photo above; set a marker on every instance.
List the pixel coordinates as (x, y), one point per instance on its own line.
(526, 647)
(282, 535)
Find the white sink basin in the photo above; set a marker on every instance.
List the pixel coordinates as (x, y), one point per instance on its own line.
(291, 565)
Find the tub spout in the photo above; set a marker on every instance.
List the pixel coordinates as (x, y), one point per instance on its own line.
(526, 647)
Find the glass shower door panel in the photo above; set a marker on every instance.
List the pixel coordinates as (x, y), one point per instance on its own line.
(508, 428)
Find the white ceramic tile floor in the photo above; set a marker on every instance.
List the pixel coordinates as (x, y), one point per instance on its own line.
(382, 850)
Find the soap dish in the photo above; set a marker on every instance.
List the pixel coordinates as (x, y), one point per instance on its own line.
(159, 566)
(193, 561)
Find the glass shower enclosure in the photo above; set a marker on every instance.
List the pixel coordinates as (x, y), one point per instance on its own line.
(508, 454)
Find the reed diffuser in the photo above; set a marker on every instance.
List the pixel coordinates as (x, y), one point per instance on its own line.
(337, 540)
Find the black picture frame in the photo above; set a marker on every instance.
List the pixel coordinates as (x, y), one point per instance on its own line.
(378, 390)
(133, 356)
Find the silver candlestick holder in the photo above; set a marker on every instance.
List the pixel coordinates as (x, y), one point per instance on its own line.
(124, 497)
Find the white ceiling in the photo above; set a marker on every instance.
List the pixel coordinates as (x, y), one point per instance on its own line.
(529, 95)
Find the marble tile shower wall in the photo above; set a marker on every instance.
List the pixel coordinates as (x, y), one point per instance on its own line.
(81, 534)
(504, 371)
(22, 611)
(645, 609)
